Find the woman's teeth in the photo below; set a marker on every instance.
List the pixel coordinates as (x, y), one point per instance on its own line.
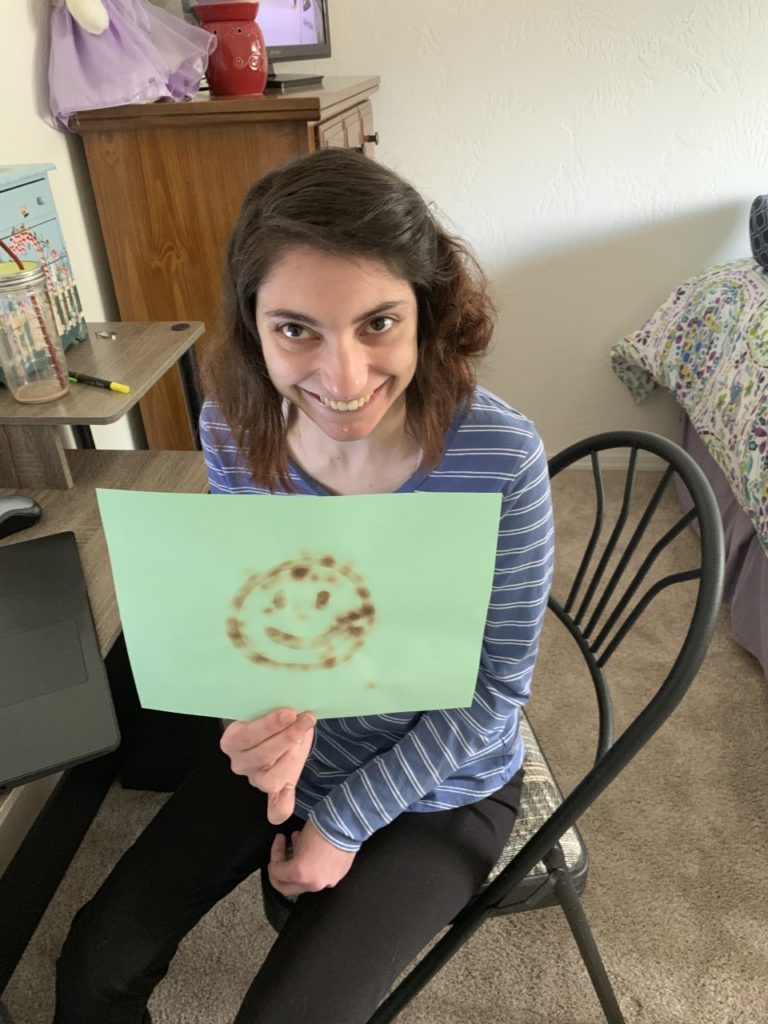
(356, 403)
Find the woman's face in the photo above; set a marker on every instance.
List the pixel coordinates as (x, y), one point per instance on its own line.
(339, 339)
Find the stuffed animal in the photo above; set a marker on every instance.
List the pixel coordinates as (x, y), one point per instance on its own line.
(107, 53)
(89, 14)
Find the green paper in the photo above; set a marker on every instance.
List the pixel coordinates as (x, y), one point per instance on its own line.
(233, 605)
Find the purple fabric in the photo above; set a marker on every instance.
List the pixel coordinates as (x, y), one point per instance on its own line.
(145, 54)
(746, 562)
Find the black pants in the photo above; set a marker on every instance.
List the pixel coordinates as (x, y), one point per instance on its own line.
(341, 948)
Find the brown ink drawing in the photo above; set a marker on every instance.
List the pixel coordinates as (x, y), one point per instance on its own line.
(311, 612)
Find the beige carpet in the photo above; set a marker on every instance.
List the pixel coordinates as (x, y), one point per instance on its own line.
(678, 891)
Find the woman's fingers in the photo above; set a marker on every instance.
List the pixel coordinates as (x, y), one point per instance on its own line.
(256, 746)
(274, 764)
(284, 744)
(278, 852)
(280, 781)
(280, 805)
(240, 736)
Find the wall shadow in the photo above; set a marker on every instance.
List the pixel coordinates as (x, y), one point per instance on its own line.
(561, 312)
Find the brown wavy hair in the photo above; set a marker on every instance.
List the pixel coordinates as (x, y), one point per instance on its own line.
(341, 202)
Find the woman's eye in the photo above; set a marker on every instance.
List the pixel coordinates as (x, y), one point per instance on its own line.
(380, 324)
(295, 332)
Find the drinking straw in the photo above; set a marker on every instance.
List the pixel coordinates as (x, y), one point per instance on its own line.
(12, 254)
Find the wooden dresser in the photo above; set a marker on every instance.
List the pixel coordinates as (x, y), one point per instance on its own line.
(169, 180)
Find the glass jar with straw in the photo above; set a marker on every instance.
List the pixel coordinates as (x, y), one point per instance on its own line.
(31, 353)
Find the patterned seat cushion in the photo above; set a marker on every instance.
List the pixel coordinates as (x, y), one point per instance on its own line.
(540, 796)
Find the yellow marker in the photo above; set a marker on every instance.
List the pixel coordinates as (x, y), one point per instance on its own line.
(98, 382)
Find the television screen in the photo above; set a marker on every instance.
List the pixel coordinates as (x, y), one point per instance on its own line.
(291, 22)
(292, 29)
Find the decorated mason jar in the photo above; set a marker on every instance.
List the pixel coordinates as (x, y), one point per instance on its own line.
(31, 354)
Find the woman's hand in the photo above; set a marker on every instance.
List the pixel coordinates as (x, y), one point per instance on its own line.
(271, 752)
(312, 864)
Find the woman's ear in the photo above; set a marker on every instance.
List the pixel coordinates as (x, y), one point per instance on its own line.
(89, 14)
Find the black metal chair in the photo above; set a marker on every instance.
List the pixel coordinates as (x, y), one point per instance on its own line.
(629, 558)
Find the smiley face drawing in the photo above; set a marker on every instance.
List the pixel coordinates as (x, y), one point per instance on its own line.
(311, 612)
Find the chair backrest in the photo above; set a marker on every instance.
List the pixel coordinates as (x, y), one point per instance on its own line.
(627, 562)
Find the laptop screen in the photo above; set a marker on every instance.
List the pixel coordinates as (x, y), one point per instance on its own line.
(55, 705)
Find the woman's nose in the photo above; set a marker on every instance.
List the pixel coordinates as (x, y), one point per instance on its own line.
(344, 369)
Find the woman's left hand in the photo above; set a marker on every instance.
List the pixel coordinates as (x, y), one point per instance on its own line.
(313, 863)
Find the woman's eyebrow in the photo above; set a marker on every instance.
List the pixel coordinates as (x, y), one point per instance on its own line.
(292, 314)
(304, 318)
(383, 307)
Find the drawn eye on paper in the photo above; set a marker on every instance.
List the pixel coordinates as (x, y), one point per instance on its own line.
(311, 612)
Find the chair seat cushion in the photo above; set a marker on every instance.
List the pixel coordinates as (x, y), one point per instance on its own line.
(540, 797)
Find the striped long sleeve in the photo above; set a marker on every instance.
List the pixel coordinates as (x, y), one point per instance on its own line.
(447, 758)
(362, 772)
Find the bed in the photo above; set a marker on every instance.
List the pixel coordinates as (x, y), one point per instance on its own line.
(707, 345)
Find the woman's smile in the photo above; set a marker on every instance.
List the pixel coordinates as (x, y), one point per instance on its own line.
(349, 405)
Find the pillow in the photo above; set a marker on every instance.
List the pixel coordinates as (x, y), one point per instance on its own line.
(758, 229)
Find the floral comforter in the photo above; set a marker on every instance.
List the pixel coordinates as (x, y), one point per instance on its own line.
(708, 345)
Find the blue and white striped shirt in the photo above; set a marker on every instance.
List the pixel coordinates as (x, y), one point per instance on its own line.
(362, 772)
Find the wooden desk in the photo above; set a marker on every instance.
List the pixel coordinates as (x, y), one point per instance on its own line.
(64, 485)
(64, 482)
(76, 509)
(72, 807)
(31, 450)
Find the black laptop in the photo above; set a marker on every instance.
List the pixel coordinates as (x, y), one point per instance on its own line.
(55, 705)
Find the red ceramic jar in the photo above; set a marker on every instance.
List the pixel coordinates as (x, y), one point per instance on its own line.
(238, 66)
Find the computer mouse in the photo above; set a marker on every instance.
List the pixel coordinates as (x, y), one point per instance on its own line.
(17, 513)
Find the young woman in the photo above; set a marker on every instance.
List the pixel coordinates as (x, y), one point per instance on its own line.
(344, 366)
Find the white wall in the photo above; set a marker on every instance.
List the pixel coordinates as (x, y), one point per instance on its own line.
(26, 137)
(594, 154)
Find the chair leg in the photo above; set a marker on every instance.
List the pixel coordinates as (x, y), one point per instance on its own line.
(582, 933)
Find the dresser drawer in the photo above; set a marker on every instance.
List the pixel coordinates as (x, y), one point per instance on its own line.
(44, 241)
(27, 205)
(348, 130)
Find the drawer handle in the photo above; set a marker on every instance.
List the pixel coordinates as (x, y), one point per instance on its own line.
(372, 138)
(40, 201)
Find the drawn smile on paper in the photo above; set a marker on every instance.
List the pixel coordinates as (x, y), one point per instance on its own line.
(311, 612)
